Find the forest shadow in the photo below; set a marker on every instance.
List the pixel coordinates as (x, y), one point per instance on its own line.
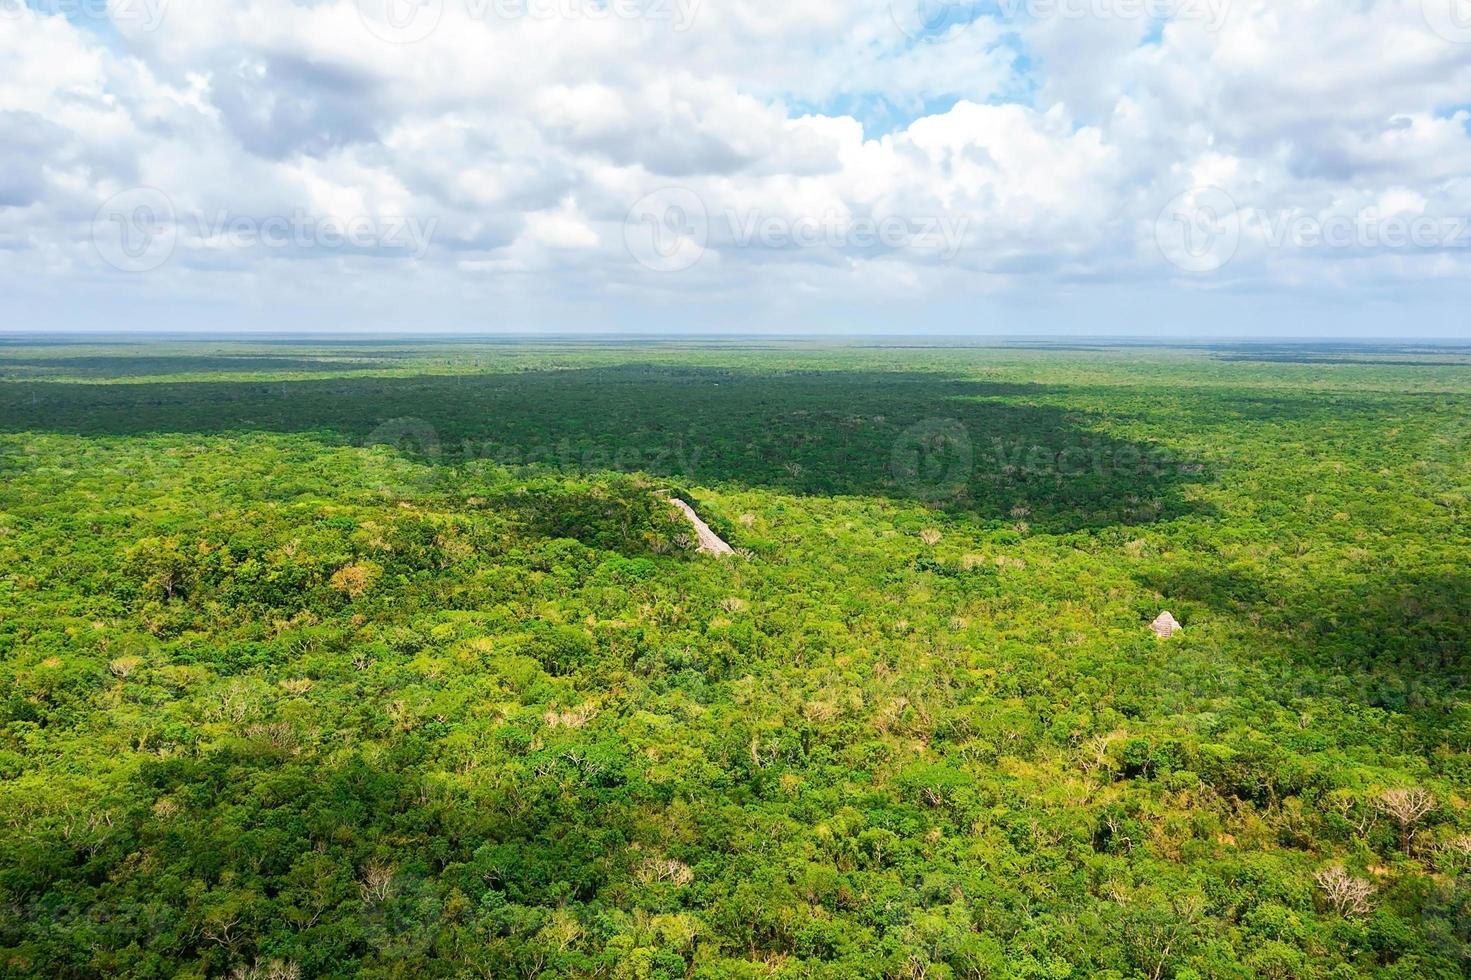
(117, 366)
(1400, 642)
(1337, 352)
(1336, 361)
(968, 447)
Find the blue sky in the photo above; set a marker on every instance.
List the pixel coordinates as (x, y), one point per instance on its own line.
(1185, 168)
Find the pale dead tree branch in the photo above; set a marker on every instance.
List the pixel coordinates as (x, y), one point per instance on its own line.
(1097, 752)
(1406, 807)
(376, 882)
(223, 933)
(1452, 855)
(1347, 806)
(658, 869)
(272, 970)
(1187, 911)
(1348, 895)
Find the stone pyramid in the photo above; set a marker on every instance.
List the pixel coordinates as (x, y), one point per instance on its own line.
(1166, 626)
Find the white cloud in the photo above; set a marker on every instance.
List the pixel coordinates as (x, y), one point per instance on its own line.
(1049, 144)
(562, 228)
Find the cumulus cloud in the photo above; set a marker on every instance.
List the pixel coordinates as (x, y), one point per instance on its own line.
(1023, 148)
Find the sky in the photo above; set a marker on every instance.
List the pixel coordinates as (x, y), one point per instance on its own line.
(1171, 168)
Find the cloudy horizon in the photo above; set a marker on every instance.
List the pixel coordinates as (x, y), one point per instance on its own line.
(1171, 168)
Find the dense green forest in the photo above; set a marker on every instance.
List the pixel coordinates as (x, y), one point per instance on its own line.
(390, 660)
